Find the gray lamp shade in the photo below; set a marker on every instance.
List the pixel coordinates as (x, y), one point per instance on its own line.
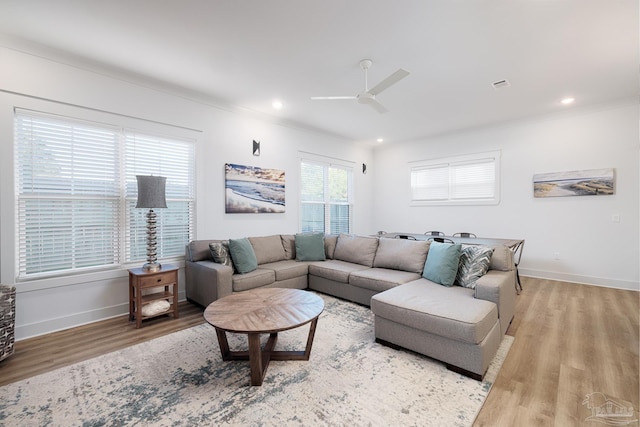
(151, 192)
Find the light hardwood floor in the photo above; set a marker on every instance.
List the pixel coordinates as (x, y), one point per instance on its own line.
(570, 340)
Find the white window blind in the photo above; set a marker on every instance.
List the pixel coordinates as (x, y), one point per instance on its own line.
(76, 191)
(430, 182)
(471, 179)
(326, 197)
(173, 159)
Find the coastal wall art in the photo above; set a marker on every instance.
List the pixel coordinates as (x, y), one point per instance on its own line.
(593, 182)
(250, 189)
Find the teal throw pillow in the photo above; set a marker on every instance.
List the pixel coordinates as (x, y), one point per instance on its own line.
(442, 263)
(243, 256)
(310, 247)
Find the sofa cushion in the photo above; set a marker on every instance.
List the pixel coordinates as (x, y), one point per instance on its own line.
(289, 245)
(381, 279)
(287, 269)
(453, 312)
(330, 241)
(502, 259)
(310, 247)
(268, 248)
(254, 279)
(244, 258)
(402, 254)
(335, 270)
(442, 263)
(220, 253)
(356, 249)
(198, 250)
(474, 263)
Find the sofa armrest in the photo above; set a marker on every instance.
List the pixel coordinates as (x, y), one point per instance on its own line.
(207, 281)
(499, 287)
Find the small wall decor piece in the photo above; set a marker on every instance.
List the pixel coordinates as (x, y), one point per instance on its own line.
(593, 182)
(251, 189)
(256, 148)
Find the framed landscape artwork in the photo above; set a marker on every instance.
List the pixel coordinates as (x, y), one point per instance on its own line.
(593, 182)
(250, 189)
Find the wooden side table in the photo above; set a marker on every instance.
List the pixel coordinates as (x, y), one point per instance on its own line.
(166, 278)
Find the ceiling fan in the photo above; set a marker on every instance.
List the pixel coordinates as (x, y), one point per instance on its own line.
(368, 96)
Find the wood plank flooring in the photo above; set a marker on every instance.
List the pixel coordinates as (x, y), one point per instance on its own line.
(570, 340)
(47, 352)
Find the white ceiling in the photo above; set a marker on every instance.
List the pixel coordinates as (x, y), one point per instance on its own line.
(245, 53)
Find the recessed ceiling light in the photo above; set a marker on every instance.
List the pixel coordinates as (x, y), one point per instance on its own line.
(567, 101)
(277, 104)
(379, 140)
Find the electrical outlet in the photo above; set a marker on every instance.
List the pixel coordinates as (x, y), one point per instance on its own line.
(615, 217)
(556, 256)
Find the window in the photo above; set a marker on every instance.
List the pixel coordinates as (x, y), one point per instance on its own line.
(326, 197)
(76, 192)
(462, 180)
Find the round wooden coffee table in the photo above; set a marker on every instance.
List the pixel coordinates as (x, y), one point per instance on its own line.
(264, 311)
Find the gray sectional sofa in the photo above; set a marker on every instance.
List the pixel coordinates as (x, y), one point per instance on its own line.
(461, 326)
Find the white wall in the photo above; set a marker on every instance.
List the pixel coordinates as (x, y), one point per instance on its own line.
(592, 249)
(28, 81)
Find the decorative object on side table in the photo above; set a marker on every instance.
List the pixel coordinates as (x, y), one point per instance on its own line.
(151, 195)
(148, 305)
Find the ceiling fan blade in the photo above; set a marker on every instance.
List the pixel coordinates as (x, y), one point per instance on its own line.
(316, 98)
(377, 106)
(389, 81)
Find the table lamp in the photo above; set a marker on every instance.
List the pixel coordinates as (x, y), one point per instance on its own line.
(151, 195)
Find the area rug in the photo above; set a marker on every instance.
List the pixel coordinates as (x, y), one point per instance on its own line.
(181, 380)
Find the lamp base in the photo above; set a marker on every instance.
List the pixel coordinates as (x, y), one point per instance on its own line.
(152, 267)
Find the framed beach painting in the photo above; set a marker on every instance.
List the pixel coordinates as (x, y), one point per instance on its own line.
(593, 182)
(250, 189)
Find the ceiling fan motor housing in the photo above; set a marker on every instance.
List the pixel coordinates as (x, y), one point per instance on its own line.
(366, 98)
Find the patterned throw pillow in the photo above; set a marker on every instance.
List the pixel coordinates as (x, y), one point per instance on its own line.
(474, 263)
(220, 253)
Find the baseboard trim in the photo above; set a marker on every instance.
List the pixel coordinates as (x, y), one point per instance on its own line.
(48, 326)
(584, 280)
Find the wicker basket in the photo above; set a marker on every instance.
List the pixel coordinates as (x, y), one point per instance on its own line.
(7, 320)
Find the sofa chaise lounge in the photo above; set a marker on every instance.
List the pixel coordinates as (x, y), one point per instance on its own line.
(461, 326)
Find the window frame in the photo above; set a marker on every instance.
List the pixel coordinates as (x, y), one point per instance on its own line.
(130, 223)
(449, 165)
(327, 163)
